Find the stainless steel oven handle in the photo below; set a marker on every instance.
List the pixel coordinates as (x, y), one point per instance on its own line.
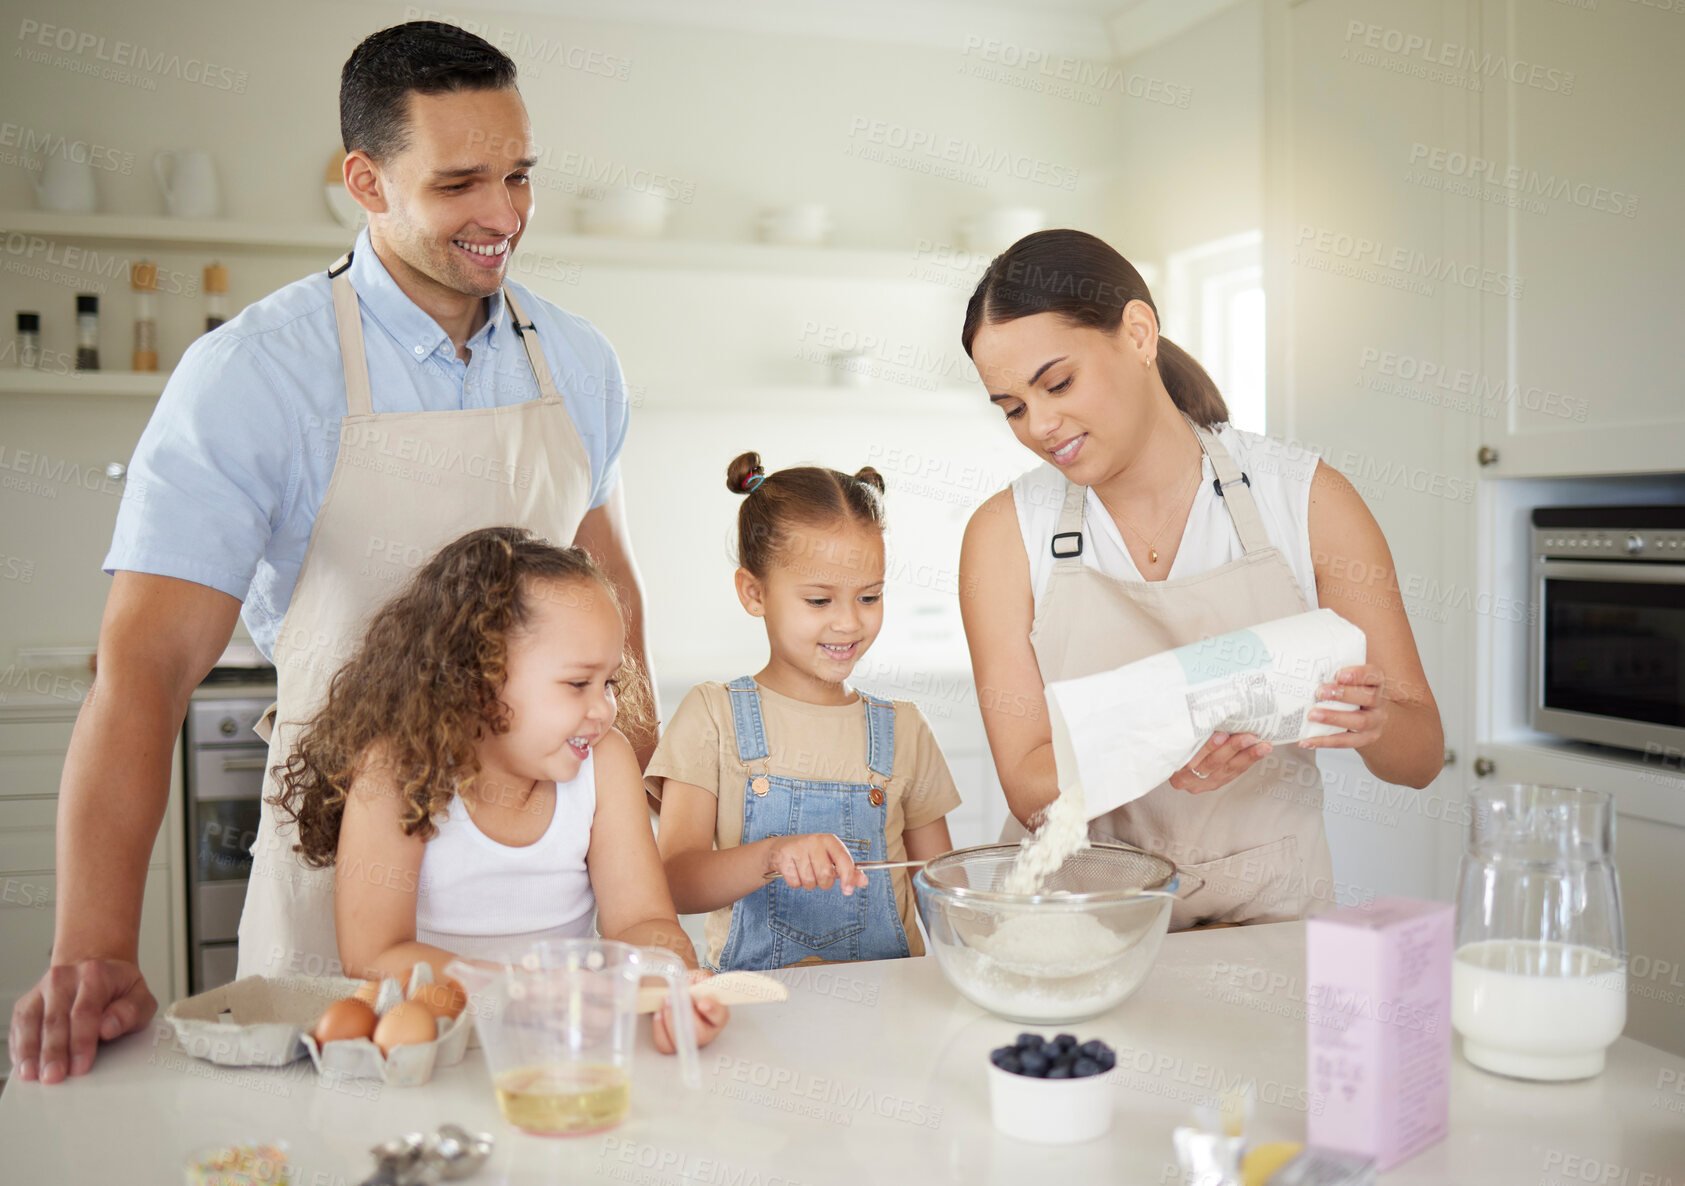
(232, 764)
(1636, 572)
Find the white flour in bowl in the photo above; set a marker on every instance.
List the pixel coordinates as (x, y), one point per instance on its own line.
(1063, 831)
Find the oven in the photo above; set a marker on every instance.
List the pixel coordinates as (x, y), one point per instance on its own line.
(223, 781)
(1607, 660)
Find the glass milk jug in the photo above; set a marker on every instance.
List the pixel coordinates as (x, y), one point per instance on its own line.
(1538, 984)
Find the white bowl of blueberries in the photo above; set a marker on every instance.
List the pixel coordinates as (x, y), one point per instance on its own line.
(1053, 1090)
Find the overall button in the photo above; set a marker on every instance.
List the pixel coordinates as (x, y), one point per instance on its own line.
(760, 785)
(875, 797)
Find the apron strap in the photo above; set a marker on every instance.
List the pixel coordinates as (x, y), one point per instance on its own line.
(880, 735)
(1066, 544)
(746, 717)
(349, 316)
(528, 334)
(1235, 489)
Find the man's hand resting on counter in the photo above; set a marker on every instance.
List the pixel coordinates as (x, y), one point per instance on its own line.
(57, 1026)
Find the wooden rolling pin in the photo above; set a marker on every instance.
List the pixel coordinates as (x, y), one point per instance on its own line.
(729, 988)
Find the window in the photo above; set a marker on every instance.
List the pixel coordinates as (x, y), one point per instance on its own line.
(1214, 310)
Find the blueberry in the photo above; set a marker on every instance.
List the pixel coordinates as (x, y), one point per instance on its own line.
(1001, 1053)
(1059, 1072)
(1028, 1041)
(1066, 1041)
(1091, 1048)
(1085, 1067)
(1033, 1063)
(1107, 1059)
(1009, 1064)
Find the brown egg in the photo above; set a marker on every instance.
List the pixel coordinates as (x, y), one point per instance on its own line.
(345, 1019)
(408, 1023)
(368, 993)
(445, 999)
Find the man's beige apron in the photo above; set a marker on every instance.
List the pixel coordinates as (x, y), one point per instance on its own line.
(1257, 842)
(404, 484)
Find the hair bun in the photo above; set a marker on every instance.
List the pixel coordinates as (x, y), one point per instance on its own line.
(743, 468)
(871, 477)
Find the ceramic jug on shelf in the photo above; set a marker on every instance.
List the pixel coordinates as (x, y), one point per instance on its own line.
(66, 186)
(188, 179)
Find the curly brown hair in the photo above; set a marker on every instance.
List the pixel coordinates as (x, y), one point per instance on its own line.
(424, 684)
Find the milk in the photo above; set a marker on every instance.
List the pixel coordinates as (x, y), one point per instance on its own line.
(1537, 1010)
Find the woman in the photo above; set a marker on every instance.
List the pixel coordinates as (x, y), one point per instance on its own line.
(1152, 524)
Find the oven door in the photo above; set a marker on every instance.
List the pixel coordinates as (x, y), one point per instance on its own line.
(1607, 664)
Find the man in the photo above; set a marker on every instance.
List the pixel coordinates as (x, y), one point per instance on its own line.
(303, 461)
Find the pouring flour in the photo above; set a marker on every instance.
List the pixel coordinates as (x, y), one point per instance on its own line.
(1120, 733)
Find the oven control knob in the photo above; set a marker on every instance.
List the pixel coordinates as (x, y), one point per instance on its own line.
(1634, 544)
(228, 726)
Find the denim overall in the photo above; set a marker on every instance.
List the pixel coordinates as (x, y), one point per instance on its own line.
(778, 925)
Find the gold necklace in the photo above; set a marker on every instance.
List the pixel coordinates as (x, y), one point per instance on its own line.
(1152, 548)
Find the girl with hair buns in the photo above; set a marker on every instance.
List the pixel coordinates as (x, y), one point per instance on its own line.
(774, 785)
(465, 779)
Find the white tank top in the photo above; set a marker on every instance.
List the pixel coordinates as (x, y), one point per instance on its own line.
(486, 900)
(1281, 487)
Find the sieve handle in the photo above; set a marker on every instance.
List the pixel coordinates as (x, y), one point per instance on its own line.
(870, 865)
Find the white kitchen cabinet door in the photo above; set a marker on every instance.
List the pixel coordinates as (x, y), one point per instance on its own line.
(1582, 190)
(1357, 308)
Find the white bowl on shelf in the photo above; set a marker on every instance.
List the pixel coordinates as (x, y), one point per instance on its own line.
(806, 224)
(624, 213)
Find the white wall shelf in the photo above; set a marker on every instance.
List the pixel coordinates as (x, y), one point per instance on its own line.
(137, 384)
(318, 238)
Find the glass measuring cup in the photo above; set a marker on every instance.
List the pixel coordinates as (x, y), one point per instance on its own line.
(559, 1026)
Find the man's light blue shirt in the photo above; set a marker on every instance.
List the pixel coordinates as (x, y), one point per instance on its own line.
(224, 487)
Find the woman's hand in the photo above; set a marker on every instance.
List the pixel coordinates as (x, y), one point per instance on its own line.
(1221, 760)
(710, 1018)
(1364, 689)
(814, 861)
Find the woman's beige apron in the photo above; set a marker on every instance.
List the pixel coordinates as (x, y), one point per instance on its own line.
(404, 484)
(1257, 842)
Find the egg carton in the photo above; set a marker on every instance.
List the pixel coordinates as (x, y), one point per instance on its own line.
(256, 1021)
(405, 1066)
(265, 1021)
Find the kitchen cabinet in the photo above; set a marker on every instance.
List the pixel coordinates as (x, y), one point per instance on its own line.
(33, 741)
(1582, 197)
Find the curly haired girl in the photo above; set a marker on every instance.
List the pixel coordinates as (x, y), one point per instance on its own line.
(464, 777)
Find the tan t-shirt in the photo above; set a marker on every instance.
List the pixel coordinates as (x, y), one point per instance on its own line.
(821, 742)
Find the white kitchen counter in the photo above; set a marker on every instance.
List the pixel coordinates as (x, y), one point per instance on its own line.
(870, 1073)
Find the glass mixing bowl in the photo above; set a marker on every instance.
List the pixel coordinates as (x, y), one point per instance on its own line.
(1076, 949)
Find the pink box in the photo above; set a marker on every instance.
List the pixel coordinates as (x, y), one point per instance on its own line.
(1378, 1027)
